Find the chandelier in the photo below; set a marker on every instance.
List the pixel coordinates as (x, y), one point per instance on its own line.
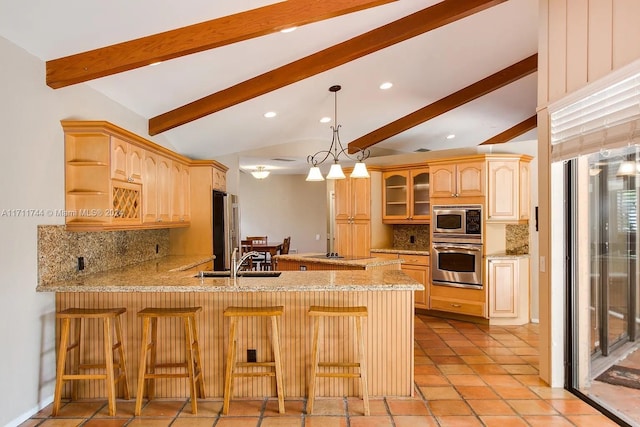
(335, 151)
(260, 173)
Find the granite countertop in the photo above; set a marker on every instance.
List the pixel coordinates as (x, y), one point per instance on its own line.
(169, 275)
(409, 250)
(321, 258)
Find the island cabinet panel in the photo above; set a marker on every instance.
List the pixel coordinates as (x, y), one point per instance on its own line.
(388, 329)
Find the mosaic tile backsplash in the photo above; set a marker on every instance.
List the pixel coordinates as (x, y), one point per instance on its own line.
(402, 237)
(58, 250)
(517, 239)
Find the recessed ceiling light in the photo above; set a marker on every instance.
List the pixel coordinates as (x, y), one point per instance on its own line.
(288, 30)
(325, 120)
(451, 136)
(386, 85)
(270, 114)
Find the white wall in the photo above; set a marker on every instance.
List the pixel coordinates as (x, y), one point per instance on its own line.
(284, 205)
(32, 176)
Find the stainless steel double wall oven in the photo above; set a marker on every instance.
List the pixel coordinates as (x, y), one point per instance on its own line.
(456, 257)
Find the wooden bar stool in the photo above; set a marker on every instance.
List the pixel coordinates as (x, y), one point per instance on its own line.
(234, 313)
(110, 317)
(317, 312)
(192, 363)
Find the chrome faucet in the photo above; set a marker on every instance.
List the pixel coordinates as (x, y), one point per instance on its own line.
(236, 264)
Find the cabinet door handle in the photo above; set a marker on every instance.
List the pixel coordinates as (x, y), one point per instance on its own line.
(456, 305)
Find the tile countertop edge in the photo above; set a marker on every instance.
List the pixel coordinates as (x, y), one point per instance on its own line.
(401, 251)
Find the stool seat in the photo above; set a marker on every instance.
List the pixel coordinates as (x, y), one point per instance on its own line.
(192, 364)
(110, 318)
(234, 313)
(358, 312)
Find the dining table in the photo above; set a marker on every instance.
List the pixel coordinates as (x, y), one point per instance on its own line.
(269, 248)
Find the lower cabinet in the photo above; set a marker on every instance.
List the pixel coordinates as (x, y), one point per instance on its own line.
(508, 284)
(471, 302)
(416, 267)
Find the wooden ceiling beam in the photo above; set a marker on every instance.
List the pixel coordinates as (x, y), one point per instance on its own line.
(438, 15)
(207, 35)
(448, 103)
(513, 132)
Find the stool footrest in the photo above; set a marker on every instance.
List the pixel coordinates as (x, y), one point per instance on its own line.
(253, 374)
(339, 365)
(67, 377)
(337, 375)
(175, 375)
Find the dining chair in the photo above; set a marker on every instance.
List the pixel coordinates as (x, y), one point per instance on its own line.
(259, 240)
(285, 245)
(246, 246)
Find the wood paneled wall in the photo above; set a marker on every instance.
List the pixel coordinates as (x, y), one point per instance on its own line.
(582, 41)
(388, 335)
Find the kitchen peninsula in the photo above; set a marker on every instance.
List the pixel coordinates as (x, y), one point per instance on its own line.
(313, 261)
(174, 282)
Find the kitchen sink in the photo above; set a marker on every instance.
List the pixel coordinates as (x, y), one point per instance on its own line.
(240, 274)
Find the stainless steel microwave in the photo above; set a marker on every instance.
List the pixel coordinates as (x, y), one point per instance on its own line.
(458, 220)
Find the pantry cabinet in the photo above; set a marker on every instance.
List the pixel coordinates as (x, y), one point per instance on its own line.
(352, 232)
(455, 178)
(405, 197)
(117, 180)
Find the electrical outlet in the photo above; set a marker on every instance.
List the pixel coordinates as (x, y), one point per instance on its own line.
(412, 239)
(252, 355)
(157, 248)
(80, 263)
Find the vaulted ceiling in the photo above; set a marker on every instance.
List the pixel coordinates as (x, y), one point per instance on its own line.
(204, 73)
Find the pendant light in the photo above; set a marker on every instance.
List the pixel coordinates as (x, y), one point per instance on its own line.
(335, 150)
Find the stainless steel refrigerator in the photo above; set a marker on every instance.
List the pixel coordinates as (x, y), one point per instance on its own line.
(226, 228)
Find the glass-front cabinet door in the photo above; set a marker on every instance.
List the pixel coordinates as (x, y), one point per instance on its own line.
(395, 195)
(420, 202)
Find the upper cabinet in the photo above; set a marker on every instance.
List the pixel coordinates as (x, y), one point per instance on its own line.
(454, 178)
(353, 199)
(117, 180)
(405, 196)
(126, 161)
(508, 196)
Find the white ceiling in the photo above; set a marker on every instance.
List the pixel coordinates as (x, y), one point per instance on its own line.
(423, 70)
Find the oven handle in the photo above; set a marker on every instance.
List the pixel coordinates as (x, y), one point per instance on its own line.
(465, 248)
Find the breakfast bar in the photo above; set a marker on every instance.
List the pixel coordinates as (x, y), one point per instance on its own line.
(174, 282)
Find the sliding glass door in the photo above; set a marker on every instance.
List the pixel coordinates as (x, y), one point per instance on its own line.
(602, 204)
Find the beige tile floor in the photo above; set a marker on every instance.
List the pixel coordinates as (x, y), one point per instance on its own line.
(465, 375)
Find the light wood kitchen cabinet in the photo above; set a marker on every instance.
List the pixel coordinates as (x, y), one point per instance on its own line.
(471, 302)
(508, 195)
(457, 179)
(353, 238)
(416, 267)
(405, 196)
(508, 283)
(197, 239)
(352, 199)
(126, 161)
(92, 198)
(352, 216)
(179, 192)
(117, 180)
